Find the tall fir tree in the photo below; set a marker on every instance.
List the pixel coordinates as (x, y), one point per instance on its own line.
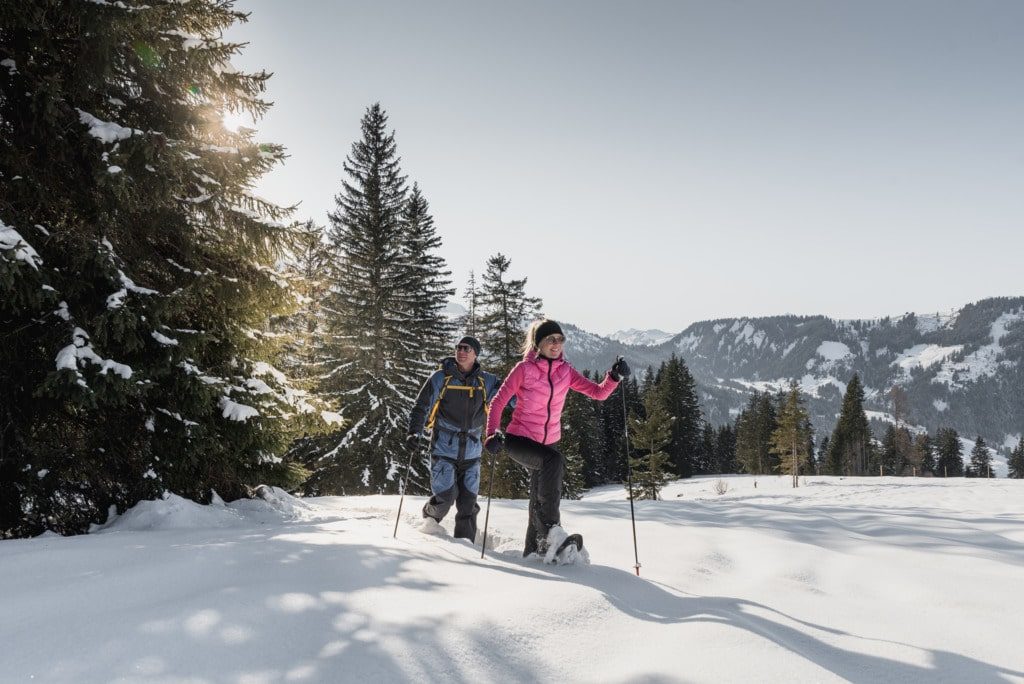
(306, 265)
(468, 322)
(949, 451)
(849, 447)
(382, 320)
(427, 288)
(922, 456)
(892, 459)
(754, 428)
(676, 390)
(981, 460)
(1016, 461)
(725, 449)
(820, 463)
(137, 269)
(504, 312)
(789, 440)
(581, 444)
(650, 461)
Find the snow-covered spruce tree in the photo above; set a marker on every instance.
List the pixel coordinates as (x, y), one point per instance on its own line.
(382, 317)
(981, 460)
(790, 440)
(850, 445)
(136, 268)
(504, 312)
(1016, 461)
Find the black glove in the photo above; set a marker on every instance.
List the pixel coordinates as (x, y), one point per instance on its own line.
(619, 370)
(412, 439)
(495, 442)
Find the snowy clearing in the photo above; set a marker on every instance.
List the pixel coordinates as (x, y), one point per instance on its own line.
(856, 579)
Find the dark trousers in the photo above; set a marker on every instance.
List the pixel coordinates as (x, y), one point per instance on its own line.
(464, 477)
(547, 468)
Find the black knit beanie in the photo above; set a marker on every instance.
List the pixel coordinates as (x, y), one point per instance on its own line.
(472, 342)
(544, 329)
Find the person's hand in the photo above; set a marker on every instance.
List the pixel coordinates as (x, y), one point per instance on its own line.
(619, 370)
(494, 443)
(412, 439)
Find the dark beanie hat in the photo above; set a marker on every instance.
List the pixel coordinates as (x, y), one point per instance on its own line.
(472, 342)
(544, 329)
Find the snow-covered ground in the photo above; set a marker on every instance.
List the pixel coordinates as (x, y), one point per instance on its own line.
(856, 579)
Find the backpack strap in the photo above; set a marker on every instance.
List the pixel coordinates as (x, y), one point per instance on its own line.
(437, 404)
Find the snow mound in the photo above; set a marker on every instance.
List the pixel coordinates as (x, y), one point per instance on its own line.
(171, 513)
(178, 513)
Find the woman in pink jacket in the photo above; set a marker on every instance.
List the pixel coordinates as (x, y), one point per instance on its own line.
(540, 382)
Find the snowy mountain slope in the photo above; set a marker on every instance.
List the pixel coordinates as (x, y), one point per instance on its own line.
(873, 579)
(648, 338)
(962, 369)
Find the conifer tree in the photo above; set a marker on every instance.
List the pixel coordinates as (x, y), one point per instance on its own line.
(725, 449)
(381, 319)
(705, 462)
(137, 270)
(850, 444)
(581, 445)
(790, 438)
(754, 428)
(427, 288)
(650, 462)
(505, 311)
(950, 453)
(888, 456)
(468, 322)
(981, 460)
(820, 463)
(1016, 461)
(306, 265)
(677, 391)
(922, 455)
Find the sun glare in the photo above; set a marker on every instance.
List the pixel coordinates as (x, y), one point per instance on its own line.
(236, 120)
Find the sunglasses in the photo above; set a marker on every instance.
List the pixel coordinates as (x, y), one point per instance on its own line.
(553, 339)
(463, 348)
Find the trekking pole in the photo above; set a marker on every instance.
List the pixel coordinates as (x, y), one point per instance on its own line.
(629, 476)
(405, 479)
(487, 515)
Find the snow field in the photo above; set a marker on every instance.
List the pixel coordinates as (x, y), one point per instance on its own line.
(855, 579)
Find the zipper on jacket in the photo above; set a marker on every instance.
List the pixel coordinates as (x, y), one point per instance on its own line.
(551, 396)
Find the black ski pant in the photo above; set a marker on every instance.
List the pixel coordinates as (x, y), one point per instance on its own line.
(464, 479)
(547, 468)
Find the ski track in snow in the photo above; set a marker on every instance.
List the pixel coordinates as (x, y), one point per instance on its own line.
(855, 579)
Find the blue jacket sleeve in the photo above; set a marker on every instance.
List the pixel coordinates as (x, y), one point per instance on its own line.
(424, 402)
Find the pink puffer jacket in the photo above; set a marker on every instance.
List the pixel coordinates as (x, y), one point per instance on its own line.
(540, 385)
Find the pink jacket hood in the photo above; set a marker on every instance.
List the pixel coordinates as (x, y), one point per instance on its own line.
(540, 386)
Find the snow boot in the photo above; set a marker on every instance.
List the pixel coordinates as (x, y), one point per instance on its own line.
(565, 549)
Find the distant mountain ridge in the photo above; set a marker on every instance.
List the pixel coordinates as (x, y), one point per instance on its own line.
(962, 369)
(650, 338)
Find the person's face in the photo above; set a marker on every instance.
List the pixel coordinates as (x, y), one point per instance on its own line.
(551, 346)
(464, 355)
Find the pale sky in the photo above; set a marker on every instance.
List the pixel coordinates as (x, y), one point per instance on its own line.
(653, 164)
